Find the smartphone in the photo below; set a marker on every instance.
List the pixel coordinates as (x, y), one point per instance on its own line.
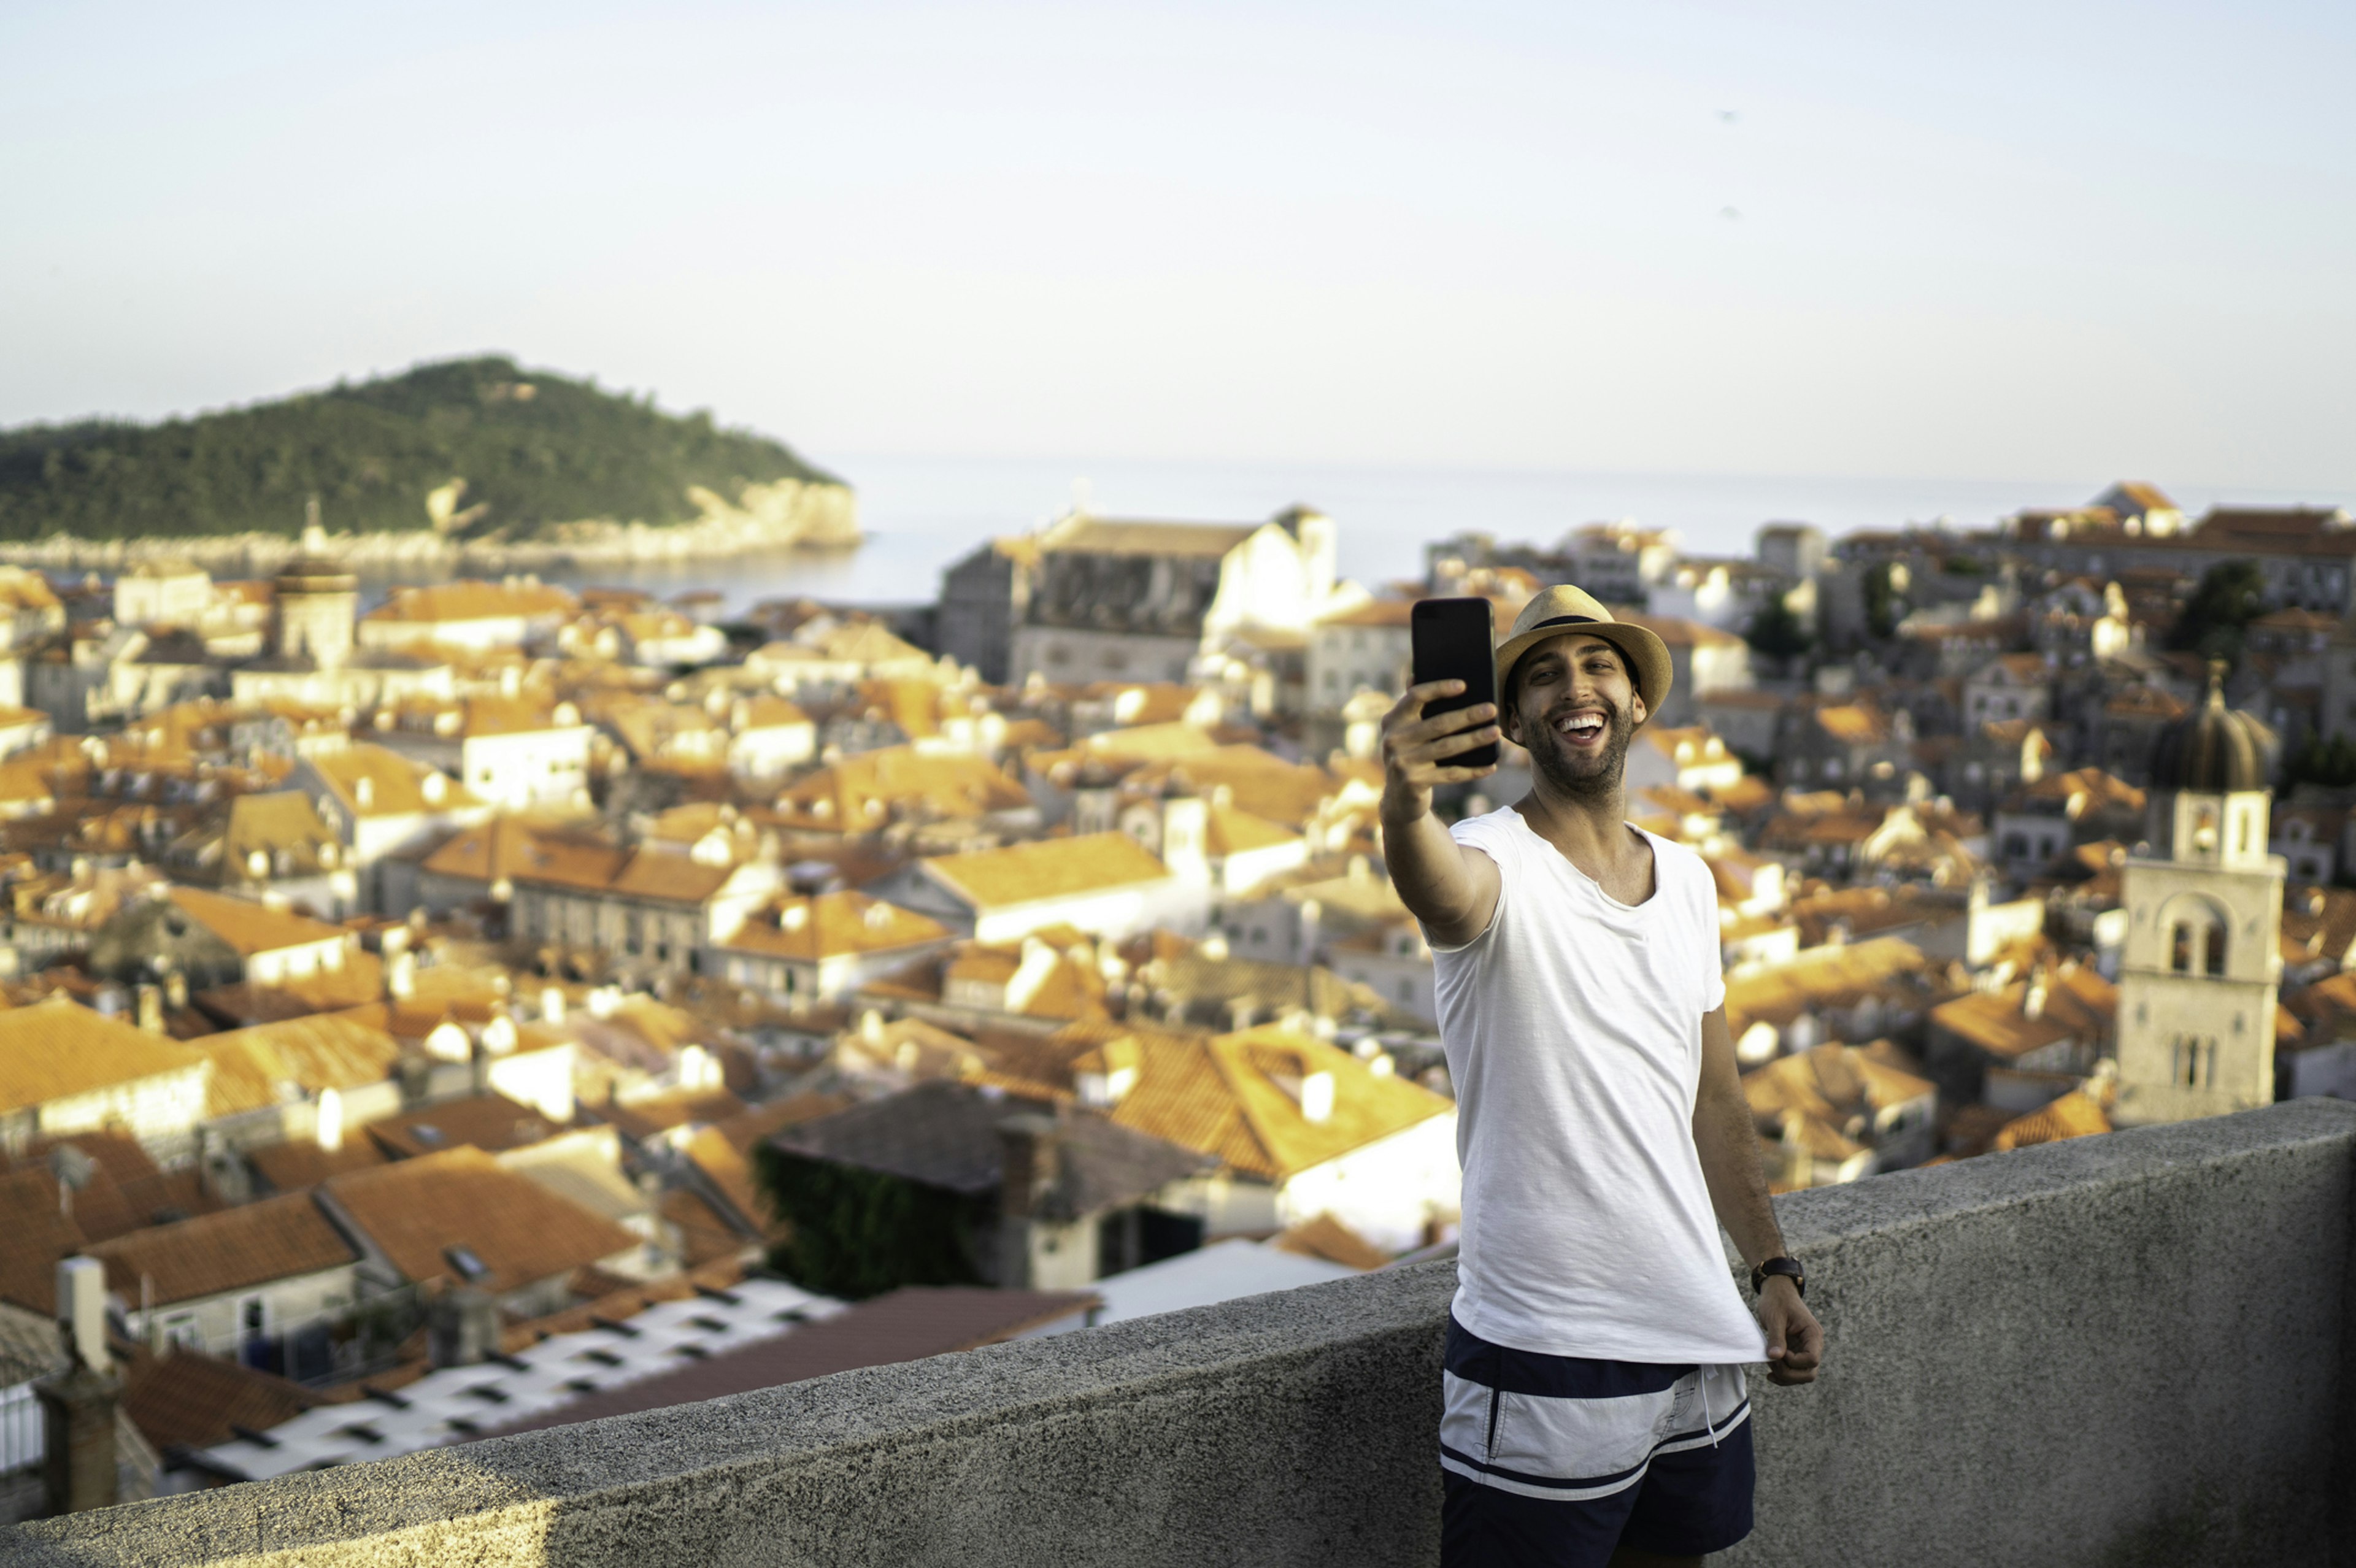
(1455, 640)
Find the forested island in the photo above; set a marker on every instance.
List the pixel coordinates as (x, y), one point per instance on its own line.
(475, 459)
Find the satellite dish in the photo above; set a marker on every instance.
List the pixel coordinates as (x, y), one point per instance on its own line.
(72, 1168)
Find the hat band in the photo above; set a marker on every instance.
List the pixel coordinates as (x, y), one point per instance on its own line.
(1567, 621)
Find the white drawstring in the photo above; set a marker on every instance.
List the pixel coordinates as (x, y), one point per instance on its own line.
(1709, 1424)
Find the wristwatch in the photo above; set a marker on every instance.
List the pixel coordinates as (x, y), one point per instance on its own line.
(1788, 1267)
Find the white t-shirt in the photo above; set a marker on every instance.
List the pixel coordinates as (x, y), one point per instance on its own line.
(1573, 1029)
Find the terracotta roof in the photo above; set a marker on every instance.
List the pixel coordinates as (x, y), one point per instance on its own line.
(1150, 743)
(2079, 1004)
(275, 1239)
(492, 1123)
(575, 860)
(1855, 724)
(1328, 1238)
(1048, 868)
(831, 925)
(39, 1232)
(248, 1002)
(1820, 977)
(125, 1191)
(250, 927)
(1232, 832)
(1219, 1094)
(1110, 536)
(654, 1114)
(417, 1210)
(474, 601)
(191, 1399)
(291, 1167)
(705, 1234)
(2073, 1115)
(58, 1048)
(864, 793)
(1829, 1083)
(906, 1324)
(395, 785)
(250, 1066)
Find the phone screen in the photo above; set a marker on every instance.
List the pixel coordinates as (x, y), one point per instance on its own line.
(1454, 640)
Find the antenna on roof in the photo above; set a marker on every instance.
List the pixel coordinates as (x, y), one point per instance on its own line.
(73, 1169)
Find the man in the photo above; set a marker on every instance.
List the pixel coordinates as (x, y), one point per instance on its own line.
(1595, 1405)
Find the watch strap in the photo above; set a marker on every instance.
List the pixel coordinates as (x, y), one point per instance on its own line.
(1788, 1267)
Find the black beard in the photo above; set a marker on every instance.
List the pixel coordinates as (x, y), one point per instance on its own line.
(1598, 780)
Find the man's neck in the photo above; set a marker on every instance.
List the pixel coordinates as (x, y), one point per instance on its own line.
(1591, 830)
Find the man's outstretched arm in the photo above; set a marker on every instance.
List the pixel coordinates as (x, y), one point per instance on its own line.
(1728, 1141)
(1451, 889)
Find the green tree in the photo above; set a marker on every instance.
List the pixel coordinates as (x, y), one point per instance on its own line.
(2321, 762)
(1884, 608)
(1776, 632)
(857, 1233)
(2231, 595)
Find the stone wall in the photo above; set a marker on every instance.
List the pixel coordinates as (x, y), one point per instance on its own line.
(2123, 1350)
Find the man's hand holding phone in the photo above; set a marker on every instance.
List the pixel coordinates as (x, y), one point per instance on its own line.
(1416, 749)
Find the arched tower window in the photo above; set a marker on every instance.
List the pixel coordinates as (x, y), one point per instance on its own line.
(2195, 1062)
(2196, 928)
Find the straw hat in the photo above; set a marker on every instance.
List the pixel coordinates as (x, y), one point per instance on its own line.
(1564, 609)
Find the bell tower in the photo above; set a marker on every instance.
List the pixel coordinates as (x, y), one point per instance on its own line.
(2202, 968)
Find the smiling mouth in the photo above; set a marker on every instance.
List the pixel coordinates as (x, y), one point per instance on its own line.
(1581, 727)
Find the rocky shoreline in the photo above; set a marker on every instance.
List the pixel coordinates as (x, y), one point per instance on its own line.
(785, 514)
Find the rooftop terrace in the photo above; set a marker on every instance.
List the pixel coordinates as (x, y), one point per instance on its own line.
(2122, 1350)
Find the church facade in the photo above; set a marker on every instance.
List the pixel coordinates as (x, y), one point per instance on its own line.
(2201, 966)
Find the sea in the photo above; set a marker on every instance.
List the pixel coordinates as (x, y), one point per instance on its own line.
(920, 514)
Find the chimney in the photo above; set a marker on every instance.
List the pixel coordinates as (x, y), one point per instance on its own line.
(1317, 1098)
(1029, 1167)
(328, 1129)
(463, 1327)
(151, 1008)
(175, 991)
(552, 1005)
(78, 1404)
(1030, 1164)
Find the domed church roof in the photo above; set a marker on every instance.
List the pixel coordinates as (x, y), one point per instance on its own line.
(2214, 749)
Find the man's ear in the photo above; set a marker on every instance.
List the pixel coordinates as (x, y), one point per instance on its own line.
(1636, 703)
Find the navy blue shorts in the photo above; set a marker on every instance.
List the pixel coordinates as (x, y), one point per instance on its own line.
(1554, 1461)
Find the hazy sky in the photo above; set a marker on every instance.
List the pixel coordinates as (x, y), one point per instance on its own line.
(2010, 239)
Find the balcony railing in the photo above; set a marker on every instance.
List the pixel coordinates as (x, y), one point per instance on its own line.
(2128, 1350)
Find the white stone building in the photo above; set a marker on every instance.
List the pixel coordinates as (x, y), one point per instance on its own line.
(2201, 966)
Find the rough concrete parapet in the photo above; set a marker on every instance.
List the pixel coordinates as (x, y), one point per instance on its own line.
(2122, 1350)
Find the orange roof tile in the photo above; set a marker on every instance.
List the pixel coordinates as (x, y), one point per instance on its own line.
(419, 1209)
(277, 1238)
(1048, 868)
(250, 927)
(833, 925)
(58, 1048)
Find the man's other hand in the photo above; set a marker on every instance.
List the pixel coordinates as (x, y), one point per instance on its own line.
(1795, 1340)
(1416, 749)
